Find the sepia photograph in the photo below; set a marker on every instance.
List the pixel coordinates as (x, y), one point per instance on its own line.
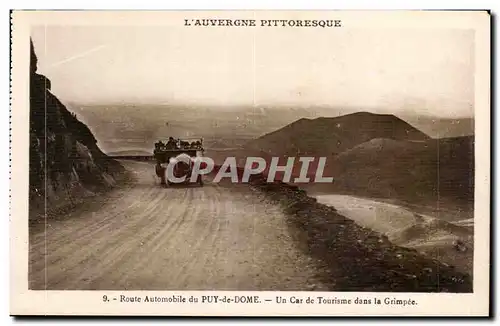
(321, 153)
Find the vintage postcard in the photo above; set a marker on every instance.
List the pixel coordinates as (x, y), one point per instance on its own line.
(250, 163)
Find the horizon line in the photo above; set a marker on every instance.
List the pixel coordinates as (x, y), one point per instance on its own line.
(339, 111)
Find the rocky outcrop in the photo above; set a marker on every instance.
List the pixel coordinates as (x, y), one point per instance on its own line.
(66, 164)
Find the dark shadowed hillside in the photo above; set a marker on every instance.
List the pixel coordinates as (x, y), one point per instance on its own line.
(429, 172)
(331, 136)
(65, 161)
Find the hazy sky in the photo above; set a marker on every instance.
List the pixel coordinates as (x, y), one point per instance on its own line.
(427, 71)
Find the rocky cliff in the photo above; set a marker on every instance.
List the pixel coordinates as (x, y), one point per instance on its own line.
(66, 164)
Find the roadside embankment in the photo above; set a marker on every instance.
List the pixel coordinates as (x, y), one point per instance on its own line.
(358, 258)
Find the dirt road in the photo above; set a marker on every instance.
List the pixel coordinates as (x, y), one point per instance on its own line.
(144, 237)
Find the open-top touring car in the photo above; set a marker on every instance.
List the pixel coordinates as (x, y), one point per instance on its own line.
(181, 154)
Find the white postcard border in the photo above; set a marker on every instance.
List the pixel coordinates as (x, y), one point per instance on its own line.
(24, 301)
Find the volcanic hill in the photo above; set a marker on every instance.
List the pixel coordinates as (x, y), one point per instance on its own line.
(381, 156)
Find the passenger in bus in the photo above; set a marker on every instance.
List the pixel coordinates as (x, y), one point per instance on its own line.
(171, 144)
